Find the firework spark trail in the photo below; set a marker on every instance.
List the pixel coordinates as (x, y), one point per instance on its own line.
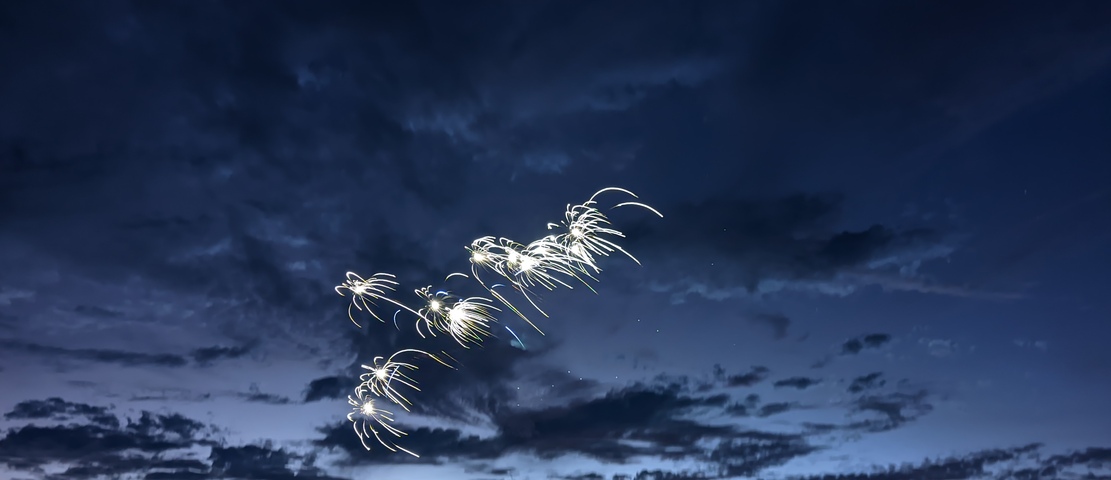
(365, 414)
(572, 253)
(520, 344)
(365, 291)
(466, 320)
(487, 254)
(549, 255)
(525, 267)
(386, 371)
(584, 225)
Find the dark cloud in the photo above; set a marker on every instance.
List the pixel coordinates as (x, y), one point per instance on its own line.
(776, 408)
(872, 411)
(751, 406)
(777, 322)
(866, 382)
(854, 346)
(327, 388)
(482, 380)
(58, 409)
(585, 476)
(96, 447)
(94, 444)
(755, 247)
(253, 461)
(95, 311)
(1025, 462)
(888, 411)
(865, 342)
(208, 354)
(132, 359)
(254, 395)
(800, 383)
(201, 356)
(658, 474)
(747, 457)
(653, 418)
(756, 374)
(175, 394)
(744, 408)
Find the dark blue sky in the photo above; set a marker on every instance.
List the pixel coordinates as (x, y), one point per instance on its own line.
(884, 251)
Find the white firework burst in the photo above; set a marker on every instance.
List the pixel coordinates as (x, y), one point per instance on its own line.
(466, 320)
(387, 374)
(369, 421)
(364, 292)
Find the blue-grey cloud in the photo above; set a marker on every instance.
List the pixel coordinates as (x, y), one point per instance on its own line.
(756, 374)
(800, 383)
(654, 417)
(200, 357)
(206, 355)
(97, 355)
(57, 409)
(759, 246)
(1023, 462)
(91, 443)
(866, 382)
(864, 342)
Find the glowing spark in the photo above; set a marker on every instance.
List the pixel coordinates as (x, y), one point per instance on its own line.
(366, 290)
(466, 320)
(585, 225)
(488, 254)
(517, 340)
(369, 420)
(386, 372)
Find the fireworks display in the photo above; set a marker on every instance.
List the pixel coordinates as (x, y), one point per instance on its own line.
(561, 260)
(386, 372)
(467, 320)
(365, 415)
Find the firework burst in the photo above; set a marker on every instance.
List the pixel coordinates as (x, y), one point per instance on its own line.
(466, 320)
(364, 292)
(583, 227)
(369, 420)
(490, 254)
(387, 374)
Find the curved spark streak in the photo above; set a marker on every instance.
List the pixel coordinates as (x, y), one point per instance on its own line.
(537, 264)
(365, 415)
(365, 291)
(584, 226)
(519, 342)
(386, 371)
(485, 253)
(466, 320)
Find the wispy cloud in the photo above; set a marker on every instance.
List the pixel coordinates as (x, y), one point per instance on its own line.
(758, 247)
(92, 443)
(97, 355)
(854, 346)
(200, 357)
(800, 383)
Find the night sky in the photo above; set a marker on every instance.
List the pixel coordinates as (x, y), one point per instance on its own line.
(885, 248)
